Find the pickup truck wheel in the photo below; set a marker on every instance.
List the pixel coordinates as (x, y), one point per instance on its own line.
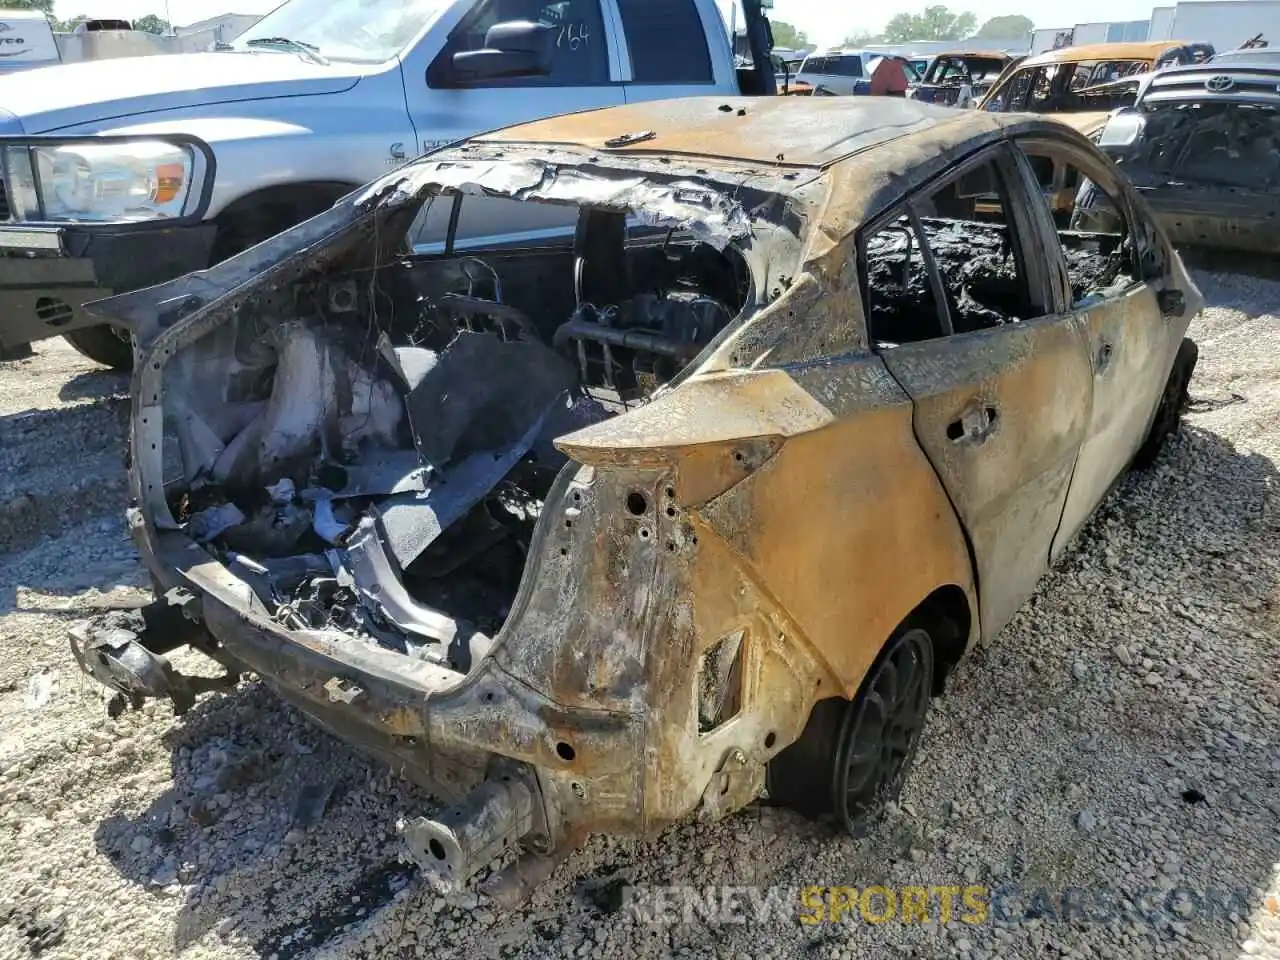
(1172, 404)
(854, 755)
(110, 346)
(238, 231)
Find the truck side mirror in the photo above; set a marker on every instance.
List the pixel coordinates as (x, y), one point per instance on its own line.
(517, 48)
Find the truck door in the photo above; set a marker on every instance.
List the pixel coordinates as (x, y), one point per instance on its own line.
(674, 48)
(444, 106)
(960, 310)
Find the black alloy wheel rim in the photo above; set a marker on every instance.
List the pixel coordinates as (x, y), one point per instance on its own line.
(881, 729)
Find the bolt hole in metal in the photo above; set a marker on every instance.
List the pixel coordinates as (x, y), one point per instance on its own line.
(565, 752)
(644, 533)
(437, 849)
(637, 503)
(770, 739)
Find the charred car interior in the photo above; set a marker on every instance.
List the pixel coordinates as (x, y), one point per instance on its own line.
(980, 282)
(950, 73)
(372, 449)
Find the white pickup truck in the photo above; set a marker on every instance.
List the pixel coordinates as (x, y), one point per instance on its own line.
(120, 174)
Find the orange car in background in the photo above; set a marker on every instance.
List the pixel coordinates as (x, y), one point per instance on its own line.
(1087, 82)
(1081, 86)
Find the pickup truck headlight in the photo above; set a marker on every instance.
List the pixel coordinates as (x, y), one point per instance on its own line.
(109, 181)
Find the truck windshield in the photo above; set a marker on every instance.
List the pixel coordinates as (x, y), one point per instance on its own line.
(361, 31)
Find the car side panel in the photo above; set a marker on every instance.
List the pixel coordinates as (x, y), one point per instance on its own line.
(1032, 384)
(847, 528)
(1132, 351)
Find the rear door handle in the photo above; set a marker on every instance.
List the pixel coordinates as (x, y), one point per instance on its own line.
(974, 425)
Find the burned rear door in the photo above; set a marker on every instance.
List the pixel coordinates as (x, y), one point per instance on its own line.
(1114, 277)
(960, 310)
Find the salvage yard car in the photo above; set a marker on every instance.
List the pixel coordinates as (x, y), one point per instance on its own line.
(951, 74)
(118, 174)
(1081, 83)
(1200, 146)
(591, 536)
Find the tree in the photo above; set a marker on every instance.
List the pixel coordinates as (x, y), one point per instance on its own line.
(1013, 26)
(935, 23)
(44, 6)
(787, 36)
(152, 24)
(68, 26)
(862, 38)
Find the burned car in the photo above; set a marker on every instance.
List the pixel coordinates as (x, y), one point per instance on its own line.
(958, 79)
(1200, 144)
(702, 499)
(1083, 84)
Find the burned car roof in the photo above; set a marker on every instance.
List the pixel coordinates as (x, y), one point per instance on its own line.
(1142, 50)
(805, 133)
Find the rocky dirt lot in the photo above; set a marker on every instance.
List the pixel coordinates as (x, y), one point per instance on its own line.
(1118, 747)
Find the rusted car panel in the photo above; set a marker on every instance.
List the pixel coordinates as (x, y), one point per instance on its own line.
(739, 130)
(1014, 395)
(591, 538)
(1199, 144)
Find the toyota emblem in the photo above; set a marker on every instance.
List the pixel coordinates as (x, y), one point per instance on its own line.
(1219, 84)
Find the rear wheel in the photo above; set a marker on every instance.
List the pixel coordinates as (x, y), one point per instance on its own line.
(854, 756)
(1172, 404)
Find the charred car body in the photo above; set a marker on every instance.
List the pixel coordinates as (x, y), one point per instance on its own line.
(1201, 145)
(590, 537)
(1083, 84)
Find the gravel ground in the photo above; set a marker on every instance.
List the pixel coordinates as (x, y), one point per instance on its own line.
(1119, 739)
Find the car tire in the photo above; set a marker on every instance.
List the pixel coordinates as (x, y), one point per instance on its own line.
(110, 346)
(1173, 402)
(854, 755)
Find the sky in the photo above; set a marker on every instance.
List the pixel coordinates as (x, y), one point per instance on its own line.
(825, 21)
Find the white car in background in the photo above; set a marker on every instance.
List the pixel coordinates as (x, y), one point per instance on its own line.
(837, 70)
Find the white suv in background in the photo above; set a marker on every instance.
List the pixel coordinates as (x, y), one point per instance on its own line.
(837, 70)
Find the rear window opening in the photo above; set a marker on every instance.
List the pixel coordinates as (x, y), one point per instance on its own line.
(949, 262)
(371, 447)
